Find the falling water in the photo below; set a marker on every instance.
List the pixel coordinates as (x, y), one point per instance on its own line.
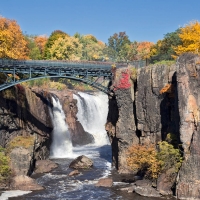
(61, 146)
(92, 114)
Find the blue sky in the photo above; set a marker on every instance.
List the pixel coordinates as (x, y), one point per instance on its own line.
(142, 20)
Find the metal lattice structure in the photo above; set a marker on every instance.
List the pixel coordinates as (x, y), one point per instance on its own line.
(13, 72)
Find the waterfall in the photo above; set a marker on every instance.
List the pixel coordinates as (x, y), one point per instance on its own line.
(92, 114)
(61, 146)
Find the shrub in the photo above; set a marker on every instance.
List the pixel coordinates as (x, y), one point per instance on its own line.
(151, 162)
(144, 159)
(21, 141)
(4, 166)
(122, 80)
(169, 157)
(133, 73)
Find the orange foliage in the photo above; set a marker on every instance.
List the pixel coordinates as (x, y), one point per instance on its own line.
(12, 41)
(143, 49)
(40, 42)
(144, 159)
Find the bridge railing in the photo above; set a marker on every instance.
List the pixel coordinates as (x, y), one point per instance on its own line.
(71, 64)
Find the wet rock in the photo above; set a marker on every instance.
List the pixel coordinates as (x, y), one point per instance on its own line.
(44, 166)
(74, 173)
(24, 183)
(81, 162)
(105, 182)
(143, 183)
(129, 189)
(147, 191)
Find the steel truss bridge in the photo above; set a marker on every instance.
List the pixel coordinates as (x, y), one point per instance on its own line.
(13, 72)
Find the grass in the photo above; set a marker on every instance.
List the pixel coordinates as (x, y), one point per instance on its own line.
(21, 141)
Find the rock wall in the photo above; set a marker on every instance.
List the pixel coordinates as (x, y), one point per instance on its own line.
(188, 78)
(26, 112)
(166, 100)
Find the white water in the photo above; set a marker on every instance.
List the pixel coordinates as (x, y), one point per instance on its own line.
(92, 114)
(12, 193)
(61, 146)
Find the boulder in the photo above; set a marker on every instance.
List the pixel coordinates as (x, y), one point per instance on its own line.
(105, 182)
(21, 160)
(44, 166)
(143, 183)
(165, 182)
(24, 183)
(147, 191)
(129, 189)
(81, 162)
(74, 173)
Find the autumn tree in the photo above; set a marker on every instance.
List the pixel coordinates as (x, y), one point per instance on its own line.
(92, 49)
(13, 44)
(118, 47)
(164, 49)
(33, 49)
(133, 51)
(190, 37)
(143, 50)
(55, 35)
(41, 41)
(67, 48)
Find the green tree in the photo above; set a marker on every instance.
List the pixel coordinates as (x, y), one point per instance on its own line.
(52, 38)
(33, 50)
(118, 47)
(164, 49)
(92, 49)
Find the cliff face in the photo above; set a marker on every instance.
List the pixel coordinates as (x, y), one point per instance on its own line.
(188, 77)
(166, 100)
(26, 113)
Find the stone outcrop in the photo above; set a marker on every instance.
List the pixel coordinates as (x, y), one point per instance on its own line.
(81, 162)
(188, 74)
(105, 182)
(20, 160)
(74, 173)
(44, 166)
(24, 183)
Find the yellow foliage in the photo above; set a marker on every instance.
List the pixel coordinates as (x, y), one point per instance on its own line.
(190, 37)
(144, 158)
(67, 48)
(12, 42)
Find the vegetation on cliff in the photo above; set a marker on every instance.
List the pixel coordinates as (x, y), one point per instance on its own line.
(21, 141)
(5, 171)
(150, 162)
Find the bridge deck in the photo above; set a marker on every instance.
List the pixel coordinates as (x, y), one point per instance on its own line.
(17, 71)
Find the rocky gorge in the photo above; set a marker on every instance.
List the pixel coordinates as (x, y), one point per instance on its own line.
(144, 109)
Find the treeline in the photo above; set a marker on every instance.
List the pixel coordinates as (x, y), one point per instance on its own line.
(61, 46)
